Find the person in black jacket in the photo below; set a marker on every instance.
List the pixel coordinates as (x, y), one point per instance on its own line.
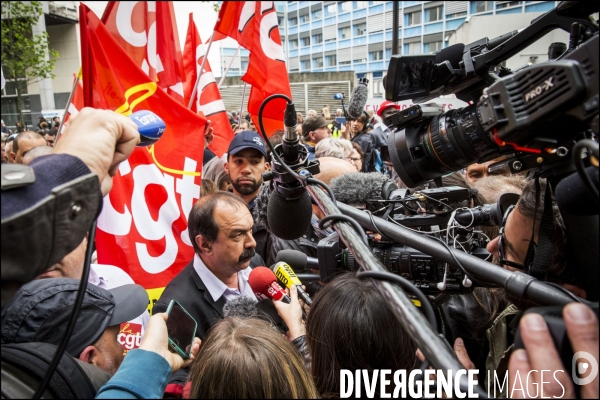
(361, 136)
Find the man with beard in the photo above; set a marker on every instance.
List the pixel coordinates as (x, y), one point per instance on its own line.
(246, 162)
(220, 229)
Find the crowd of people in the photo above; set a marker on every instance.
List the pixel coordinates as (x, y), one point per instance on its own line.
(349, 326)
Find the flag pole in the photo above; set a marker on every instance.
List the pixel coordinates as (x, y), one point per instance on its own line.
(242, 105)
(192, 98)
(229, 66)
(62, 121)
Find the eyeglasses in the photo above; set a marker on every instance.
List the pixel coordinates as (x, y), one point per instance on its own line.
(352, 159)
(502, 243)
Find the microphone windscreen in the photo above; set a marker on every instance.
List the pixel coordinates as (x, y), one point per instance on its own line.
(357, 187)
(241, 307)
(261, 207)
(260, 279)
(572, 195)
(453, 53)
(289, 219)
(357, 103)
(296, 259)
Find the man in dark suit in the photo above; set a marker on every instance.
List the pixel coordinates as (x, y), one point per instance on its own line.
(220, 228)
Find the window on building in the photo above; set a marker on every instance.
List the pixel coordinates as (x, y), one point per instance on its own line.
(293, 21)
(388, 53)
(317, 15)
(359, 60)
(318, 38)
(481, 6)
(433, 14)
(280, 21)
(501, 5)
(377, 87)
(304, 18)
(376, 55)
(305, 64)
(345, 63)
(293, 44)
(305, 41)
(413, 18)
(360, 29)
(330, 10)
(344, 6)
(317, 62)
(344, 33)
(412, 48)
(432, 47)
(331, 61)
(456, 15)
(244, 65)
(359, 4)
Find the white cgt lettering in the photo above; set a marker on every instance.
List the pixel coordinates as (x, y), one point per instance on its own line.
(189, 192)
(149, 229)
(268, 22)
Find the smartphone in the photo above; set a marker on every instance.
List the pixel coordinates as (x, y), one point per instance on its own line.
(181, 328)
(340, 120)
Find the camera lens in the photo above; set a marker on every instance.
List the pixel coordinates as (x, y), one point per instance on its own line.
(439, 146)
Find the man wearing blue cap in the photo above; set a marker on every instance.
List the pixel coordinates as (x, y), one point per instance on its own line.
(246, 162)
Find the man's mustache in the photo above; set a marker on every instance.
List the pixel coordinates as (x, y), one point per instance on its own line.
(247, 254)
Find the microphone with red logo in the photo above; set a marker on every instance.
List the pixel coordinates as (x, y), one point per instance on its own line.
(264, 285)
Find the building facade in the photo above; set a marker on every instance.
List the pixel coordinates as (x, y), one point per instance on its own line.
(336, 36)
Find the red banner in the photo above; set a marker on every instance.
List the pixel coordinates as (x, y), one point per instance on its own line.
(143, 225)
(254, 25)
(208, 98)
(148, 32)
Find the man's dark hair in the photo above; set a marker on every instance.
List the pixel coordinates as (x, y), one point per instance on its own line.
(351, 326)
(24, 135)
(51, 132)
(202, 217)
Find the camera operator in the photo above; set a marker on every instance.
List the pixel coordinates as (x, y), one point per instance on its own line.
(361, 136)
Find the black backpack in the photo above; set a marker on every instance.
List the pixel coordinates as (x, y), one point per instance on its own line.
(24, 366)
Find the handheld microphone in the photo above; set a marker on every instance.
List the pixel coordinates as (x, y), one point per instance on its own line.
(288, 277)
(359, 98)
(264, 285)
(338, 96)
(297, 259)
(150, 126)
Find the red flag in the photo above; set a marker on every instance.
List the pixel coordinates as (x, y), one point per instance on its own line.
(208, 98)
(143, 224)
(254, 25)
(148, 32)
(76, 103)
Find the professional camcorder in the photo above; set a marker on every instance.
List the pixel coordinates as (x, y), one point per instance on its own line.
(533, 115)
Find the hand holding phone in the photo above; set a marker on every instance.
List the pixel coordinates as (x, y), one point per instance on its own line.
(181, 328)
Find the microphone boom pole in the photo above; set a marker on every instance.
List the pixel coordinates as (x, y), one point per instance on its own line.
(416, 325)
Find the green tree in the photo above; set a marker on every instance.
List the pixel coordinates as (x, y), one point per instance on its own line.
(24, 55)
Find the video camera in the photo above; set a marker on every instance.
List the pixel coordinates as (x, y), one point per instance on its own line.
(534, 114)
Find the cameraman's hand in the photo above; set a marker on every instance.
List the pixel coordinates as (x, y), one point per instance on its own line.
(156, 339)
(540, 354)
(292, 314)
(101, 139)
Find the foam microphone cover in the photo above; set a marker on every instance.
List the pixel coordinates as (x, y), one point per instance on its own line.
(573, 197)
(358, 101)
(357, 187)
(289, 219)
(296, 259)
(453, 53)
(241, 307)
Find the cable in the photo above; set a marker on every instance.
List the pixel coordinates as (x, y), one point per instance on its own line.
(351, 221)
(407, 286)
(324, 186)
(74, 314)
(592, 148)
(375, 226)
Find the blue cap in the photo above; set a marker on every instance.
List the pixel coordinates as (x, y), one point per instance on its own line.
(247, 140)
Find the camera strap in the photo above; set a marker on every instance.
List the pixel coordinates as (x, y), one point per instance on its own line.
(542, 256)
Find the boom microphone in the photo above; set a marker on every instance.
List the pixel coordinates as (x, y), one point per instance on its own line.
(264, 285)
(150, 126)
(359, 98)
(288, 277)
(357, 187)
(289, 218)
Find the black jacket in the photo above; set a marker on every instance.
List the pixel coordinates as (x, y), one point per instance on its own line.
(366, 144)
(188, 290)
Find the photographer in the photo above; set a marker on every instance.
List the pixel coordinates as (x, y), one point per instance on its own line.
(360, 135)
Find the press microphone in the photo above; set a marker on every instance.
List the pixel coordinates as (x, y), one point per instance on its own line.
(244, 307)
(264, 285)
(453, 54)
(359, 98)
(356, 188)
(288, 277)
(150, 126)
(572, 195)
(290, 140)
(338, 96)
(297, 259)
